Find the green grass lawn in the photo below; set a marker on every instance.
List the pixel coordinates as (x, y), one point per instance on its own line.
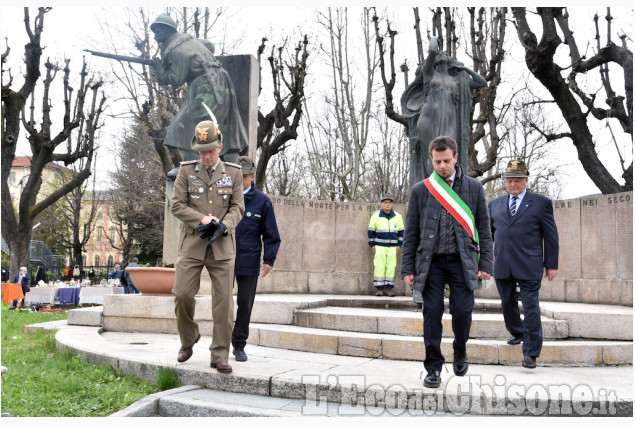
(42, 381)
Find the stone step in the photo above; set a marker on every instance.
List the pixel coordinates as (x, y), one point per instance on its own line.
(358, 386)
(480, 351)
(410, 323)
(144, 313)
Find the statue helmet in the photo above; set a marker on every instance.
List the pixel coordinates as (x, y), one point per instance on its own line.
(164, 19)
(207, 136)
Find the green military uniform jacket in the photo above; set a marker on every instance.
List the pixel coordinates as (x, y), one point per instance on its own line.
(196, 195)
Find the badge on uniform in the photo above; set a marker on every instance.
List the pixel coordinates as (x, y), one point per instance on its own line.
(225, 182)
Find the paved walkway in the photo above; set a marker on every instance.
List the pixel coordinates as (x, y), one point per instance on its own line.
(287, 382)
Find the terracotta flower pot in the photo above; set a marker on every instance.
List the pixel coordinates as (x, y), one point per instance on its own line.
(152, 280)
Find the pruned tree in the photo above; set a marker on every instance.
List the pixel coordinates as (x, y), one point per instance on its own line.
(280, 125)
(81, 112)
(579, 104)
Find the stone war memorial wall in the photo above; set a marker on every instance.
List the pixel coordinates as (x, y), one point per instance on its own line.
(325, 249)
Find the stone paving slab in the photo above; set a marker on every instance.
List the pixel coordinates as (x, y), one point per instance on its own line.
(370, 382)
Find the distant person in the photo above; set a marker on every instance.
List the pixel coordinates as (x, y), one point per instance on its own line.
(130, 289)
(385, 237)
(525, 243)
(69, 272)
(21, 278)
(116, 273)
(40, 275)
(258, 227)
(91, 275)
(5, 274)
(446, 225)
(77, 272)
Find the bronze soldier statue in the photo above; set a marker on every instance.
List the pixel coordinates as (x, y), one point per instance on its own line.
(185, 59)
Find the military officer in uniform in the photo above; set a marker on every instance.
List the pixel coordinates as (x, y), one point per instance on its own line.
(206, 189)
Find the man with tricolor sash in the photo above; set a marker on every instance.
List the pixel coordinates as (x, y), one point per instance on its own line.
(447, 240)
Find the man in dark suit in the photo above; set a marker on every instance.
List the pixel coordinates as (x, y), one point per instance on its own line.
(438, 248)
(522, 223)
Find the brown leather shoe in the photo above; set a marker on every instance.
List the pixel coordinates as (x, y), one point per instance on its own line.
(222, 367)
(186, 352)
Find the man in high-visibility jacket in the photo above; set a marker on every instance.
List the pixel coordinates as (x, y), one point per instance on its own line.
(385, 236)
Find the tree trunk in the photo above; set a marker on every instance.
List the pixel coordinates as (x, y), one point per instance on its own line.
(540, 62)
(20, 255)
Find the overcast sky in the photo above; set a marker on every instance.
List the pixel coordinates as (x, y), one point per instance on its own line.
(71, 26)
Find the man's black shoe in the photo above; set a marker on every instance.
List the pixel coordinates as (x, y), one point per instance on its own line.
(240, 355)
(460, 364)
(433, 379)
(529, 362)
(515, 340)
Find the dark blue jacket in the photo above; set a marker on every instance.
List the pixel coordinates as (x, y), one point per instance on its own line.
(257, 226)
(25, 281)
(527, 243)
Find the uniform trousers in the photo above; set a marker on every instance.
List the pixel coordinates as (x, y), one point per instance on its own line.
(186, 286)
(245, 301)
(445, 268)
(530, 328)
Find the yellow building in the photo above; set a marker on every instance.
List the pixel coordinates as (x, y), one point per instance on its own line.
(99, 250)
(21, 171)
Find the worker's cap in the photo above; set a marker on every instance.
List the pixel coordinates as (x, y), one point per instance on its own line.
(387, 197)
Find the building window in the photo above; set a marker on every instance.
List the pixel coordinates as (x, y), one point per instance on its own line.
(111, 261)
(83, 260)
(100, 234)
(97, 261)
(100, 216)
(12, 177)
(112, 235)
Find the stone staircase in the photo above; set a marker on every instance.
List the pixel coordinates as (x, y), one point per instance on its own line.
(389, 328)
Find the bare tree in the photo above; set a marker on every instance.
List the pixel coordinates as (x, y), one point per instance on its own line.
(68, 224)
(388, 165)
(82, 113)
(339, 136)
(528, 144)
(278, 127)
(568, 94)
(285, 173)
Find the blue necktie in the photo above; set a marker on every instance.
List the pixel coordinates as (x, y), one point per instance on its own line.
(512, 208)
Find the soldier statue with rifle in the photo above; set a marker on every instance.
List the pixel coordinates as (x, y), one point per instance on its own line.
(185, 59)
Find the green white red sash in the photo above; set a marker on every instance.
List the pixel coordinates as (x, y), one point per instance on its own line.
(443, 193)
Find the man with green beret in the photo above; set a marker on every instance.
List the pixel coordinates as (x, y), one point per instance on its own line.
(206, 190)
